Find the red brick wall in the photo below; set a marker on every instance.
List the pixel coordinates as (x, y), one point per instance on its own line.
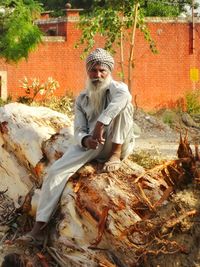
(58, 28)
(158, 80)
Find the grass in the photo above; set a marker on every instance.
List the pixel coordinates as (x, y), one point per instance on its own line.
(193, 102)
(146, 160)
(168, 118)
(4, 102)
(62, 104)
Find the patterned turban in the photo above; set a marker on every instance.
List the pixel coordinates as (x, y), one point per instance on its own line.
(101, 57)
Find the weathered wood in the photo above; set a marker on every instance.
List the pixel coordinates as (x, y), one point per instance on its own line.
(104, 219)
(23, 131)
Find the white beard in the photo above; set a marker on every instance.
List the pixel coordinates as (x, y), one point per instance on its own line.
(96, 92)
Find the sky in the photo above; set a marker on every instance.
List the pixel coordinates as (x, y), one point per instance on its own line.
(198, 1)
(197, 10)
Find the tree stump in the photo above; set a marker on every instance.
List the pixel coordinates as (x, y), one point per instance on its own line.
(104, 219)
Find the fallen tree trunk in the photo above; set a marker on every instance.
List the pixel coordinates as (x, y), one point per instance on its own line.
(104, 219)
(23, 131)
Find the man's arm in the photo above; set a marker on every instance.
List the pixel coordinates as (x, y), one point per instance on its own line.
(80, 122)
(120, 97)
(98, 132)
(81, 128)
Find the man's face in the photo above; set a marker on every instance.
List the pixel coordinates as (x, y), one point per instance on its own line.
(98, 74)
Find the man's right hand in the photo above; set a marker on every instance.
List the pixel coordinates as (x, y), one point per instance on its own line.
(90, 143)
(98, 132)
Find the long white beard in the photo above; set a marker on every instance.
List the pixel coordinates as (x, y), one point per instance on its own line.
(96, 92)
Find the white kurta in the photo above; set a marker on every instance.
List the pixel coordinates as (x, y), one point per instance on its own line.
(116, 115)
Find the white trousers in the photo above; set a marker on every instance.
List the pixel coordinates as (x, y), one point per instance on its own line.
(120, 131)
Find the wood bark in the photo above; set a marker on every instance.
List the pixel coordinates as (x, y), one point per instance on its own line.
(103, 219)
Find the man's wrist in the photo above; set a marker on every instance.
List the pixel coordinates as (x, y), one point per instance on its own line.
(99, 124)
(84, 140)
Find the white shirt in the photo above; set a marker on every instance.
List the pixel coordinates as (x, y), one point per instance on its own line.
(117, 97)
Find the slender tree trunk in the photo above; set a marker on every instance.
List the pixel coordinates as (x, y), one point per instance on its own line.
(130, 65)
(122, 55)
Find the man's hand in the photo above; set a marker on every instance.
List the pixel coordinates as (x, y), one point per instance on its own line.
(98, 132)
(90, 143)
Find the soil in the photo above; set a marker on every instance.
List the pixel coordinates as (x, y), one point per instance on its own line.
(161, 140)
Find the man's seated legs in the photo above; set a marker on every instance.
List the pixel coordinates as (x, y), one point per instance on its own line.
(113, 161)
(120, 140)
(53, 186)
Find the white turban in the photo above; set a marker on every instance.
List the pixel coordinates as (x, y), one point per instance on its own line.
(101, 57)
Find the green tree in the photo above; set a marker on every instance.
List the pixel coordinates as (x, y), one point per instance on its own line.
(18, 34)
(151, 7)
(86, 4)
(56, 6)
(117, 21)
(165, 8)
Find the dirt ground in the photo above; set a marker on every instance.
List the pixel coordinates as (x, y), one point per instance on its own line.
(161, 140)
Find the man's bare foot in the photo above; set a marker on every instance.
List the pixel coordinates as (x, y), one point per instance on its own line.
(29, 240)
(34, 238)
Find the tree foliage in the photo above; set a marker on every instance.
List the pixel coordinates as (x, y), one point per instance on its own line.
(56, 6)
(165, 8)
(18, 34)
(86, 4)
(150, 7)
(116, 21)
(109, 19)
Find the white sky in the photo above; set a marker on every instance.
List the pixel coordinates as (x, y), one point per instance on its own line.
(198, 1)
(196, 10)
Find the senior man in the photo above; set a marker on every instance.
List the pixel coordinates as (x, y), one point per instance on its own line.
(103, 129)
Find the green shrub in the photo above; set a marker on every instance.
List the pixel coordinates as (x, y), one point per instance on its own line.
(39, 93)
(35, 88)
(146, 159)
(63, 104)
(4, 102)
(193, 102)
(168, 118)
